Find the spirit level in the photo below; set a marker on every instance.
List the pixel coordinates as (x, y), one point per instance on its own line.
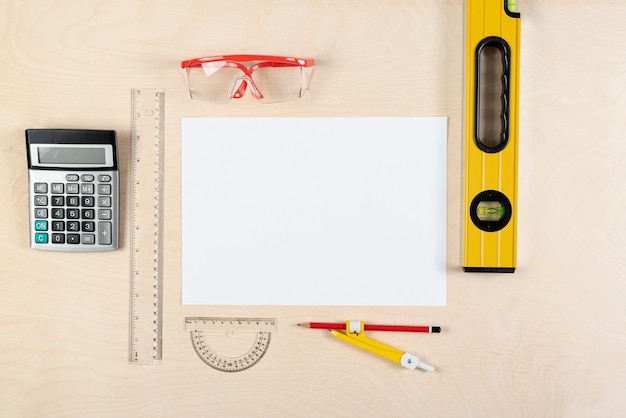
(492, 45)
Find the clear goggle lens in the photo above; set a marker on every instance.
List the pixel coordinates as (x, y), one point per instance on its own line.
(220, 81)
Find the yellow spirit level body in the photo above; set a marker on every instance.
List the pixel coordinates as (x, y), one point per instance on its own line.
(492, 46)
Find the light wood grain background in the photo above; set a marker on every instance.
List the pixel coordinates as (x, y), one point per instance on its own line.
(546, 341)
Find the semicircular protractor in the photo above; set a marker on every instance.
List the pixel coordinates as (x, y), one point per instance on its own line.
(230, 344)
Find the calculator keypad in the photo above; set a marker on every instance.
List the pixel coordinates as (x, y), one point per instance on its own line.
(74, 212)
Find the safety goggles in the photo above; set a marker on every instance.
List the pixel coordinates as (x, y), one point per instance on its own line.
(271, 79)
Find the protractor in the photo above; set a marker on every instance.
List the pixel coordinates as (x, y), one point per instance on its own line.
(230, 344)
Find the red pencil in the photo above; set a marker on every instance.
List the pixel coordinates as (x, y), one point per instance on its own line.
(368, 327)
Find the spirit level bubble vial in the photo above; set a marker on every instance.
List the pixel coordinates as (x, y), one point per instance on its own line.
(491, 111)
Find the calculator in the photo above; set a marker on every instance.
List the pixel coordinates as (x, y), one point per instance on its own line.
(73, 189)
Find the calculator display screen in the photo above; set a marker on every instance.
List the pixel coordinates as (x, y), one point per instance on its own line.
(71, 155)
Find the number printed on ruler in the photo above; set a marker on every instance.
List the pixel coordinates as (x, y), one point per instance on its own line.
(146, 275)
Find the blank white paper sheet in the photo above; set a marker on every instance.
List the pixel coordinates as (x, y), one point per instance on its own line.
(314, 211)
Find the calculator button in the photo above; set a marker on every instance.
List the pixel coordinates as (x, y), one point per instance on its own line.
(73, 226)
(73, 238)
(72, 188)
(87, 201)
(86, 188)
(41, 238)
(73, 201)
(41, 225)
(89, 226)
(58, 214)
(104, 189)
(104, 202)
(87, 177)
(58, 226)
(41, 213)
(71, 177)
(41, 200)
(58, 238)
(41, 187)
(73, 214)
(88, 239)
(57, 188)
(58, 201)
(104, 214)
(104, 233)
(104, 177)
(88, 214)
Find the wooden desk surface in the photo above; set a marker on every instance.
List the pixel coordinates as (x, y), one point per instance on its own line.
(546, 341)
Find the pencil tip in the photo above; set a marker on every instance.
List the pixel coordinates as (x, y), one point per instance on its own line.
(304, 324)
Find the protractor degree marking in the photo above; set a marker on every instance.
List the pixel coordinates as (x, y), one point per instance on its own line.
(230, 364)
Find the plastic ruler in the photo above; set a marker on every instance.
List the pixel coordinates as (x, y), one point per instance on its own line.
(207, 330)
(146, 272)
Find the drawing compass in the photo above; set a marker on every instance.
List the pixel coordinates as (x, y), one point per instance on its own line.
(230, 344)
(355, 335)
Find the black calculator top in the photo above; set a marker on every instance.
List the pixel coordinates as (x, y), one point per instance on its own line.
(82, 138)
